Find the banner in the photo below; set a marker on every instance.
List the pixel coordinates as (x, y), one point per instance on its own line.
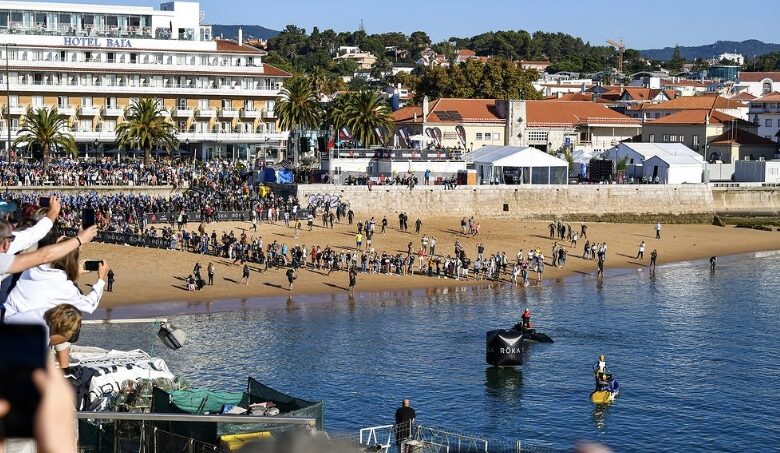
(220, 216)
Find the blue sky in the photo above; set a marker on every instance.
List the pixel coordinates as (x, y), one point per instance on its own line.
(642, 24)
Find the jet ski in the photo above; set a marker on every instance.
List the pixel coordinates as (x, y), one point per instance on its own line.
(531, 335)
(606, 395)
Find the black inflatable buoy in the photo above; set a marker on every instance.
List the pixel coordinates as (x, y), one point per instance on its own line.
(171, 336)
(504, 347)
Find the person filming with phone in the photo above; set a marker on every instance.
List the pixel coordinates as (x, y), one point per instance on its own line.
(51, 284)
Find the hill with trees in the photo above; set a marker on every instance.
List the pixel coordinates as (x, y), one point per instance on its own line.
(749, 48)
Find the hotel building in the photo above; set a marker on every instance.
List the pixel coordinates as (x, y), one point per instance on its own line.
(92, 61)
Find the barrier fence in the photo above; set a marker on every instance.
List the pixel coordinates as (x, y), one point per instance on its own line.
(113, 237)
(220, 216)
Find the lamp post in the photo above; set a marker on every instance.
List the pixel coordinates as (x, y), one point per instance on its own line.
(8, 99)
(96, 150)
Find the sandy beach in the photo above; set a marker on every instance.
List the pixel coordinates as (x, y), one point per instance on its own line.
(150, 275)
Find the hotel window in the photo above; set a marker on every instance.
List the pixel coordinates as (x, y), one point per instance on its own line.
(87, 20)
(651, 139)
(181, 126)
(41, 20)
(768, 122)
(37, 102)
(108, 126)
(203, 104)
(111, 57)
(13, 100)
(112, 21)
(496, 136)
(64, 21)
(227, 104)
(681, 139)
(479, 135)
(666, 138)
(14, 123)
(695, 141)
(249, 105)
(133, 58)
(85, 125)
(767, 88)
(181, 104)
(86, 101)
(110, 102)
(62, 102)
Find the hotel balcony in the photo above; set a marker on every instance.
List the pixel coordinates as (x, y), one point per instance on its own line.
(268, 114)
(89, 110)
(113, 112)
(182, 113)
(206, 113)
(228, 113)
(68, 110)
(245, 113)
(15, 110)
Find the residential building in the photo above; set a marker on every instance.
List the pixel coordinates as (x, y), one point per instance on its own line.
(547, 125)
(731, 107)
(737, 144)
(93, 61)
(737, 58)
(464, 55)
(693, 128)
(537, 65)
(765, 114)
(397, 96)
(429, 58)
(758, 83)
(365, 60)
(723, 72)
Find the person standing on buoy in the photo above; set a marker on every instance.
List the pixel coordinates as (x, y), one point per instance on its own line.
(526, 319)
(601, 374)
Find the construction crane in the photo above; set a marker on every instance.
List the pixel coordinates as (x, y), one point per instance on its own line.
(620, 48)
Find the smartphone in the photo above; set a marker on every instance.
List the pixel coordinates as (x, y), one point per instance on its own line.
(92, 265)
(22, 351)
(44, 202)
(87, 218)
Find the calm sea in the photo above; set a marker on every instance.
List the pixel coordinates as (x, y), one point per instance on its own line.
(696, 354)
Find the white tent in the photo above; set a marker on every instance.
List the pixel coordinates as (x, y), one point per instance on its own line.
(673, 169)
(518, 165)
(420, 138)
(637, 153)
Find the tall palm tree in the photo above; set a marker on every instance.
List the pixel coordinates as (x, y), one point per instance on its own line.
(367, 115)
(46, 128)
(298, 107)
(146, 128)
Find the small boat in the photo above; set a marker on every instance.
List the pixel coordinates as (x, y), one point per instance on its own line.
(606, 396)
(531, 335)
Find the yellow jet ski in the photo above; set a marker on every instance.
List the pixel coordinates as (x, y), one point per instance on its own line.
(606, 395)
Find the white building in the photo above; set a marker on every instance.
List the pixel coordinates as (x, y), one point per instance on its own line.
(765, 113)
(669, 169)
(738, 58)
(638, 153)
(758, 83)
(93, 61)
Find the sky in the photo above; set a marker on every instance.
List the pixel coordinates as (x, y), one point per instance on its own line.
(641, 24)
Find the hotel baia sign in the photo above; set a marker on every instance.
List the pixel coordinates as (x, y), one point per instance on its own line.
(118, 43)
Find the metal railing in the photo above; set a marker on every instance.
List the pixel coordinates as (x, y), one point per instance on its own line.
(246, 419)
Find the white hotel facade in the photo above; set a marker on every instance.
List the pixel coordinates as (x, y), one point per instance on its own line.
(92, 61)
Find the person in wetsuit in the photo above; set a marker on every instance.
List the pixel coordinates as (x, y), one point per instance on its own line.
(602, 375)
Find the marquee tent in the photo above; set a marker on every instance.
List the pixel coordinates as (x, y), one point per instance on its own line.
(518, 165)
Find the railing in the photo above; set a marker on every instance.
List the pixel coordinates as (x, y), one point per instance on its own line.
(138, 430)
(156, 88)
(400, 154)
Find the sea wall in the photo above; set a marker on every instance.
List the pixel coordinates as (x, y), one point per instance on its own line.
(747, 201)
(575, 201)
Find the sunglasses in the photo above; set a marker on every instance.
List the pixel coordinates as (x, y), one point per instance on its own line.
(10, 238)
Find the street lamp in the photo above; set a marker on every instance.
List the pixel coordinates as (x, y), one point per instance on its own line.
(96, 150)
(8, 99)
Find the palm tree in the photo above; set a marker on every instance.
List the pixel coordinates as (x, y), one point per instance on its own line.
(46, 128)
(298, 107)
(146, 128)
(367, 115)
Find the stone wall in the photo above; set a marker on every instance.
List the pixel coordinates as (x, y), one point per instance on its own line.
(747, 201)
(586, 201)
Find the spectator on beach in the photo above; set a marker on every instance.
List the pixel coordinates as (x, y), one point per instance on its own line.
(110, 281)
(352, 279)
(641, 254)
(245, 275)
(658, 230)
(290, 278)
(210, 272)
(653, 258)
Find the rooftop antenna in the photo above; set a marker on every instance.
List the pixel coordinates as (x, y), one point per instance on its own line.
(362, 26)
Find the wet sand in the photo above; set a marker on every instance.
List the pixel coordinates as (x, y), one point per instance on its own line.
(148, 276)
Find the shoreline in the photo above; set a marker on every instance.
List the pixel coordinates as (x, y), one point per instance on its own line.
(204, 302)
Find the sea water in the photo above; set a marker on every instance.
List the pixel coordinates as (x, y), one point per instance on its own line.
(696, 354)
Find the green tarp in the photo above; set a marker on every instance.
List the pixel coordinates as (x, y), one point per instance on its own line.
(201, 401)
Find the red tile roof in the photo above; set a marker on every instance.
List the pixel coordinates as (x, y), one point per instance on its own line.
(741, 137)
(771, 97)
(637, 93)
(743, 96)
(699, 116)
(466, 53)
(229, 46)
(696, 103)
(572, 113)
(407, 114)
(759, 76)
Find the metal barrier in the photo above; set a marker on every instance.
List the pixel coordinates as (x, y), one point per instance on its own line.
(125, 431)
